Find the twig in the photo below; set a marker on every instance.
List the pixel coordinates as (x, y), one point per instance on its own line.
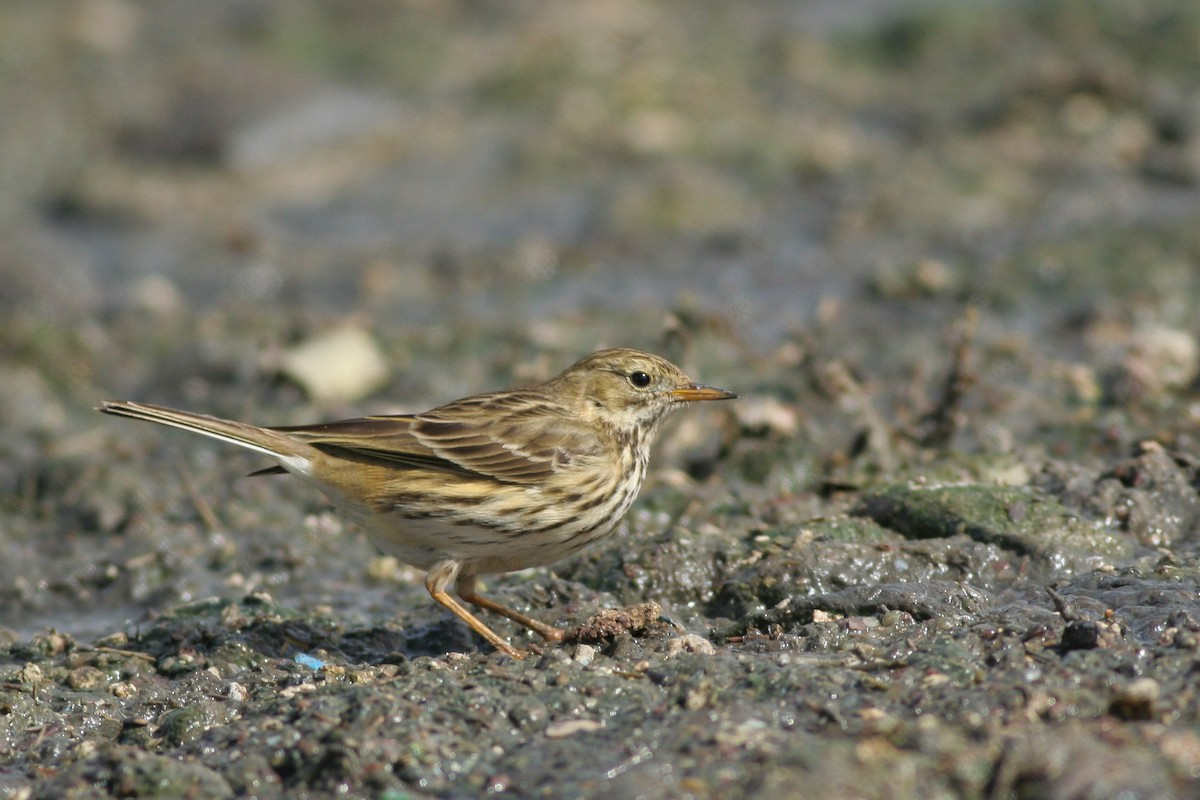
(207, 515)
(939, 425)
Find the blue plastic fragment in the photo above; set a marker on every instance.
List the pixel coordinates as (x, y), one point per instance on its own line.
(312, 662)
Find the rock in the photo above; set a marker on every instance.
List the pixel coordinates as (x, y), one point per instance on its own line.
(342, 365)
(1019, 520)
(317, 122)
(1157, 360)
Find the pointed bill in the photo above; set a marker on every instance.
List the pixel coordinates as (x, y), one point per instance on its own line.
(691, 392)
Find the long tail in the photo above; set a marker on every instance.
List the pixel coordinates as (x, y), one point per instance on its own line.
(294, 455)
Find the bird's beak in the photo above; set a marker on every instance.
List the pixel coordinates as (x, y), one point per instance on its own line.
(691, 392)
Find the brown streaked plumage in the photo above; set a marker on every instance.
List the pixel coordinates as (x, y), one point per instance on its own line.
(491, 483)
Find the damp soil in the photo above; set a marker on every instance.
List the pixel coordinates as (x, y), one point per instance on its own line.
(945, 544)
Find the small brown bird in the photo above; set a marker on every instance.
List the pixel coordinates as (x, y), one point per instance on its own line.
(491, 483)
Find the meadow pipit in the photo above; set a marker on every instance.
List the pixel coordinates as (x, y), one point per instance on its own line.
(490, 483)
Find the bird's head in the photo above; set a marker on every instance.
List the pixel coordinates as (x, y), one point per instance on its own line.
(630, 390)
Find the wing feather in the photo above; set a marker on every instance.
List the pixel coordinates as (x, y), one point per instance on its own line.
(509, 437)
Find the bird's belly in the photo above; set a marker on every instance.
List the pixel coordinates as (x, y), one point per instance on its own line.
(423, 544)
(507, 530)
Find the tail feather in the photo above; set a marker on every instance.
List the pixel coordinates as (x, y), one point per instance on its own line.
(288, 451)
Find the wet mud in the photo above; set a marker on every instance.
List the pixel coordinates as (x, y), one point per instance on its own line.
(946, 543)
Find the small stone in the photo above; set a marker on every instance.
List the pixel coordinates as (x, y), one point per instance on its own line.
(584, 654)
(1136, 699)
(123, 690)
(1158, 360)
(766, 415)
(116, 641)
(385, 569)
(570, 727)
(689, 643)
(85, 679)
(30, 673)
(184, 725)
(342, 365)
(157, 294)
(109, 26)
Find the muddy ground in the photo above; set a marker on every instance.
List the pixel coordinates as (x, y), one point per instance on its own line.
(947, 543)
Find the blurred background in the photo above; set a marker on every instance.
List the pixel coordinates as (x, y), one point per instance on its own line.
(282, 210)
(531, 178)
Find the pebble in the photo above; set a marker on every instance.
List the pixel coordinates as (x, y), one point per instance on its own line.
(342, 365)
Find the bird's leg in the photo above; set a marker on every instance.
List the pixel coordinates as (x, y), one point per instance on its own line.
(467, 588)
(436, 581)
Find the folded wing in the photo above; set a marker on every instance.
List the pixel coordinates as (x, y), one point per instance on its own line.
(508, 437)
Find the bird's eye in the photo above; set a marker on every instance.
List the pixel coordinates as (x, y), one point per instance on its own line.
(639, 379)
